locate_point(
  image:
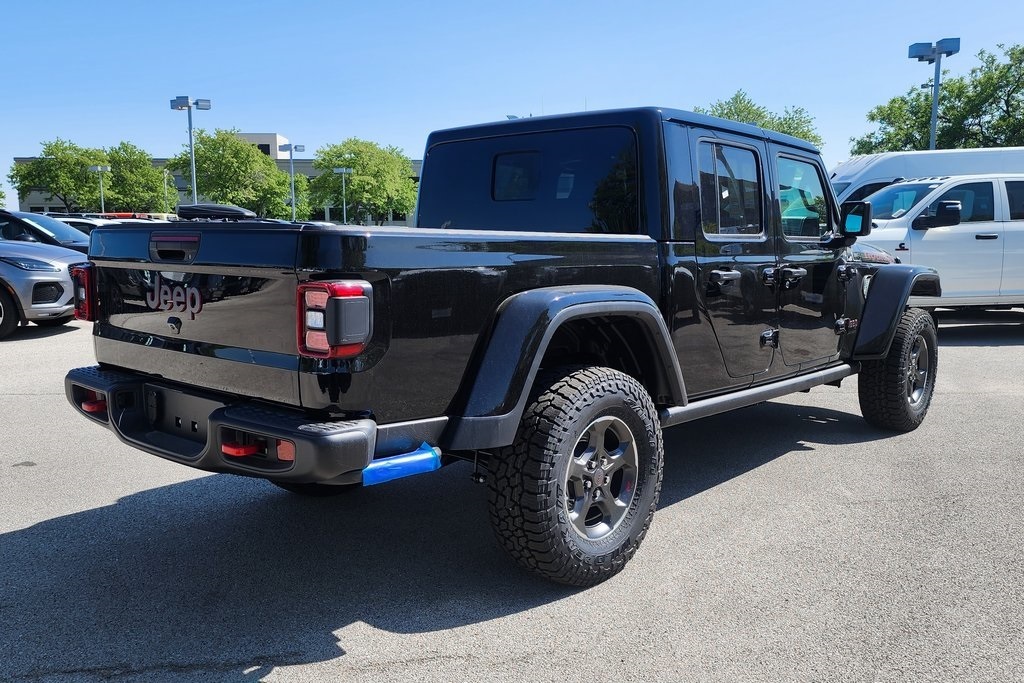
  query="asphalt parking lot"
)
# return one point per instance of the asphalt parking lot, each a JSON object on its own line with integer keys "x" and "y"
{"x": 793, "y": 543}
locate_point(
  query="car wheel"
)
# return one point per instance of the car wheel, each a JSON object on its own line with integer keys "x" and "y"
{"x": 314, "y": 490}
{"x": 8, "y": 314}
{"x": 54, "y": 322}
{"x": 572, "y": 498}
{"x": 895, "y": 392}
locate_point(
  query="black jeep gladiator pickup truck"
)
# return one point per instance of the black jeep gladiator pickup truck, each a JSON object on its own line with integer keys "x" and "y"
{"x": 574, "y": 284}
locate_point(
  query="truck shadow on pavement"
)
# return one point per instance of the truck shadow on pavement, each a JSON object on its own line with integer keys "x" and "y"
{"x": 708, "y": 452}
{"x": 229, "y": 578}
{"x": 36, "y": 332}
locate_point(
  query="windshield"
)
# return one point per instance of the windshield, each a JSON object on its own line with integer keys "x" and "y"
{"x": 62, "y": 232}
{"x": 839, "y": 187}
{"x": 896, "y": 200}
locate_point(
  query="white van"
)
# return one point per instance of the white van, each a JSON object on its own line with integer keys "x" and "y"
{"x": 969, "y": 228}
{"x": 861, "y": 175}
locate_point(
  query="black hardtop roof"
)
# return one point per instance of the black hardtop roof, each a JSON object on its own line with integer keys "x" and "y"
{"x": 635, "y": 116}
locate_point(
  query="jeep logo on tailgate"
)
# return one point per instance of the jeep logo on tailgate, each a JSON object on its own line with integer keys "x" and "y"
{"x": 163, "y": 297}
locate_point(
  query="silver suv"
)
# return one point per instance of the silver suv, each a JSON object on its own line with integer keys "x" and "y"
{"x": 35, "y": 284}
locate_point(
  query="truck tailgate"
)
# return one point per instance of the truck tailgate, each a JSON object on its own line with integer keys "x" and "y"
{"x": 170, "y": 307}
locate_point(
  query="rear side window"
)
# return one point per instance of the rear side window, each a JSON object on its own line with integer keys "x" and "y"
{"x": 730, "y": 190}
{"x": 1015, "y": 193}
{"x": 580, "y": 181}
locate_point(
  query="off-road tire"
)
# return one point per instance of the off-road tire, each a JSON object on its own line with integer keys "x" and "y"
{"x": 533, "y": 481}
{"x": 8, "y": 314}
{"x": 895, "y": 392}
{"x": 314, "y": 490}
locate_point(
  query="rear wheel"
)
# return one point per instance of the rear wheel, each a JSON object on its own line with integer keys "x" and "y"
{"x": 8, "y": 314}
{"x": 895, "y": 392}
{"x": 572, "y": 499}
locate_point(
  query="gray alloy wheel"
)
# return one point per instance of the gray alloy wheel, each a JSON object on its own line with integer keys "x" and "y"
{"x": 917, "y": 371}
{"x": 600, "y": 481}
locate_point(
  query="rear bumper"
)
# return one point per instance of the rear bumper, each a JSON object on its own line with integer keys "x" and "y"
{"x": 200, "y": 429}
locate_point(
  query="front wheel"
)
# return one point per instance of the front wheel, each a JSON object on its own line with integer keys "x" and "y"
{"x": 895, "y": 392}
{"x": 573, "y": 497}
{"x": 8, "y": 314}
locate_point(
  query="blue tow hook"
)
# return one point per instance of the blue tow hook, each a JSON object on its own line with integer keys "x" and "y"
{"x": 424, "y": 459}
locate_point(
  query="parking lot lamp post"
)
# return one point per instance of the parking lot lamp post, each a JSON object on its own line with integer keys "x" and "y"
{"x": 291, "y": 149}
{"x": 926, "y": 52}
{"x": 100, "y": 170}
{"x": 184, "y": 102}
{"x": 344, "y": 203}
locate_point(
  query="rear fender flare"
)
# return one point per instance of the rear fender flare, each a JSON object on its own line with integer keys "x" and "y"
{"x": 498, "y": 383}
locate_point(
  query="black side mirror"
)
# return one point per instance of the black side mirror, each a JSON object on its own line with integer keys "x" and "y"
{"x": 855, "y": 219}
{"x": 946, "y": 213}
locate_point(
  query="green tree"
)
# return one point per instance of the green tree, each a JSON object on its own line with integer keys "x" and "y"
{"x": 134, "y": 184}
{"x": 985, "y": 108}
{"x": 231, "y": 170}
{"x": 62, "y": 171}
{"x": 380, "y": 183}
{"x": 793, "y": 121}
{"x": 3, "y": 198}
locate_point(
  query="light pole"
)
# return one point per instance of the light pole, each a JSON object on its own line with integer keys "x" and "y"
{"x": 165, "y": 191}
{"x": 101, "y": 170}
{"x": 291, "y": 149}
{"x": 185, "y": 102}
{"x": 344, "y": 204}
{"x": 926, "y": 52}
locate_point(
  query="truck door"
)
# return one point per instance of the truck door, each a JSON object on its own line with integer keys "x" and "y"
{"x": 968, "y": 256}
{"x": 805, "y": 279}
{"x": 735, "y": 247}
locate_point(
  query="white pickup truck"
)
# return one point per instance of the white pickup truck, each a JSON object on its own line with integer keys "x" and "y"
{"x": 970, "y": 228}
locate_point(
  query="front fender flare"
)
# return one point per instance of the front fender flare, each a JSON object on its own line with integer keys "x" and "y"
{"x": 891, "y": 287}
{"x": 510, "y": 356}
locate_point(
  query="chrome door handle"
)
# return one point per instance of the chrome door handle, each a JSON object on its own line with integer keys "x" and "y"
{"x": 719, "y": 277}
{"x": 792, "y": 273}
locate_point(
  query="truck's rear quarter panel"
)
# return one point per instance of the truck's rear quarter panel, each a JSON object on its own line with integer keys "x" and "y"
{"x": 435, "y": 293}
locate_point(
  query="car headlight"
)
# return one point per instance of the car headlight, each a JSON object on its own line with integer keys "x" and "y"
{"x": 865, "y": 284}
{"x": 30, "y": 264}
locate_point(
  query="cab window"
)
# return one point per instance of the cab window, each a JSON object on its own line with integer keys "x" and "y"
{"x": 802, "y": 202}
{"x": 1015, "y": 193}
{"x": 976, "y": 202}
{"x": 730, "y": 190}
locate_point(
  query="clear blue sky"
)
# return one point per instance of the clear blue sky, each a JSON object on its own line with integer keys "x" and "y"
{"x": 318, "y": 72}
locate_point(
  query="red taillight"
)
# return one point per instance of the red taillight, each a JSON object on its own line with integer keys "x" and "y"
{"x": 82, "y": 277}
{"x": 334, "y": 318}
